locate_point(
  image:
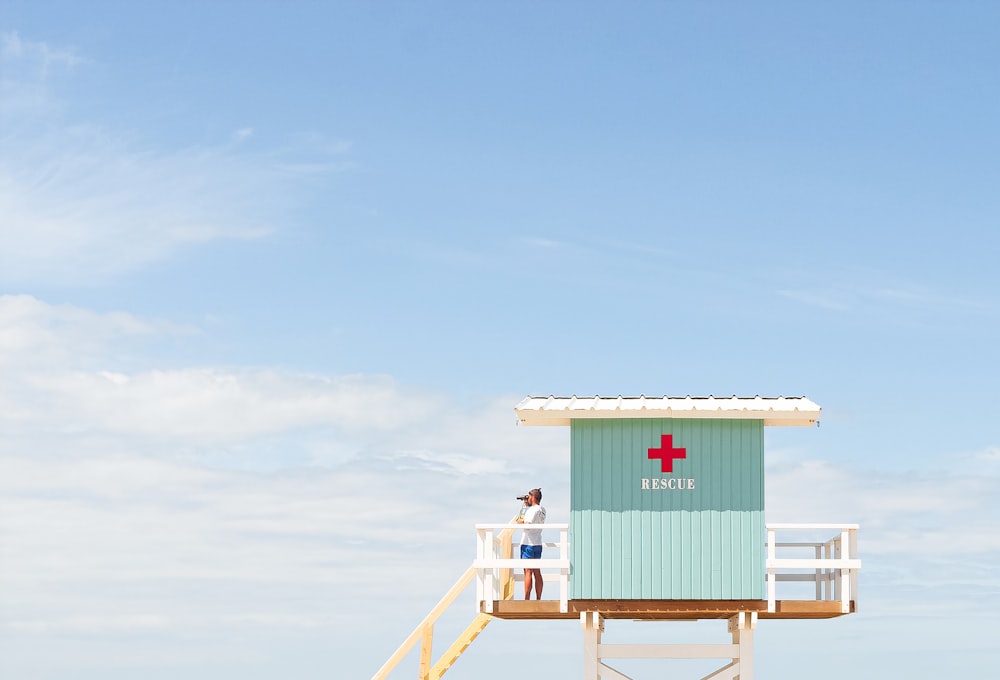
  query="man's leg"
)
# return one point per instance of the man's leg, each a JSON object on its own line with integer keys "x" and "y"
{"x": 527, "y": 583}
{"x": 538, "y": 583}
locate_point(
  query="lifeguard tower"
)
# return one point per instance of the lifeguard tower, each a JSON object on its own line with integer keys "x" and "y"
{"x": 666, "y": 523}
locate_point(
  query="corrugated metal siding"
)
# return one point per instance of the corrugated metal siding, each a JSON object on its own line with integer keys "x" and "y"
{"x": 701, "y": 543}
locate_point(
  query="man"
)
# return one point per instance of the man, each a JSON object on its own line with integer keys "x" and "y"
{"x": 531, "y": 541}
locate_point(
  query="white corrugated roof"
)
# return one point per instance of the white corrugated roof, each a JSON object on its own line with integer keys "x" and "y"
{"x": 772, "y": 410}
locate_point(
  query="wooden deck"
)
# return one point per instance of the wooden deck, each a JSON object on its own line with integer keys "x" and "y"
{"x": 666, "y": 610}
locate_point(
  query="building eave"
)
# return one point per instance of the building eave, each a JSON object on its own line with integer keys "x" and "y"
{"x": 774, "y": 411}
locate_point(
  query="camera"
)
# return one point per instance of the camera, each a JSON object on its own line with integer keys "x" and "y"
{"x": 523, "y": 498}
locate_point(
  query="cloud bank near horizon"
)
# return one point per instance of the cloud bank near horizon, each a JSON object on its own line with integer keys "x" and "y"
{"x": 116, "y": 482}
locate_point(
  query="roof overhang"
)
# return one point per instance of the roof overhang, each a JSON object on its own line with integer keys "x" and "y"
{"x": 782, "y": 411}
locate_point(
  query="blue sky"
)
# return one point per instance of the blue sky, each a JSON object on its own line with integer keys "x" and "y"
{"x": 272, "y": 278}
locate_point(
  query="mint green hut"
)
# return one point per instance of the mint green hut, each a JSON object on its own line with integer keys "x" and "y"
{"x": 666, "y": 524}
{"x": 667, "y": 493}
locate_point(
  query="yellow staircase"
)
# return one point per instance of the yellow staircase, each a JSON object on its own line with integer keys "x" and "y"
{"x": 424, "y": 632}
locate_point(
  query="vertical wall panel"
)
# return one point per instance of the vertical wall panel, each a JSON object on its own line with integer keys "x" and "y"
{"x": 630, "y": 542}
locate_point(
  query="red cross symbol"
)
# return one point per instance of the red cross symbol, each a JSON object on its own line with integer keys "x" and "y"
{"x": 667, "y": 453}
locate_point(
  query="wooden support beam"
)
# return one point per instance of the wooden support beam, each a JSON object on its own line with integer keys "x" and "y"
{"x": 506, "y": 575}
{"x": 609, "y": 673}
{"x": 418, "y": 632}
{"x": 654, "y": 651}
{"x": 460, "y": 644}
{"x": 730, "y": 671}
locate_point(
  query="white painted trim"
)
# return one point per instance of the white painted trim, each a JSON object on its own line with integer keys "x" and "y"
{"x": 517, "y": 563}
{"x": 787, "y": 411}
{"x": 813, "y": 525}
{"x": 653, "y": 651}
{"x": 785, "y": 563}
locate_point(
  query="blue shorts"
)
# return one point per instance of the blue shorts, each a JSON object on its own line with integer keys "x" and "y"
{"x": 531, "y": 552}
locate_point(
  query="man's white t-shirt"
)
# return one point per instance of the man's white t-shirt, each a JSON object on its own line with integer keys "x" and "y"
{"x": 533, "y": 515}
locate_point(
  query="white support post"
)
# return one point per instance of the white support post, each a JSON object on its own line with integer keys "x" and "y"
{"x": 593, "y": 625}
{"x": 741, "y": 627}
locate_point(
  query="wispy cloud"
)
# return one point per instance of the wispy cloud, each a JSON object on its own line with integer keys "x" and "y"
{"x": 82, "y": 202}
{"x": 824, "y": 300}
{"x": 860, "y": 298}
{"x": 635, "y": 248}
{"x": 541, "y": 242}
{"x": 243, "y": 134}
{"x": 34, "y": 56}
{"x": 922, "y": 297}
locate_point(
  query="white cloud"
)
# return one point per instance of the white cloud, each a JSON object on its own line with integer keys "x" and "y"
{"x": 992, "y": 453}
{"x": 207, "y": 403}
{"x": 37, "y": 335}
{"x": 124, "y": 511}
{"x": 916, "y": 516}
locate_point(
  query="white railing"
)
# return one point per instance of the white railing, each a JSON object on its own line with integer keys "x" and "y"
{"x": 496, "y": 573}
{"x": 832, "y": 566}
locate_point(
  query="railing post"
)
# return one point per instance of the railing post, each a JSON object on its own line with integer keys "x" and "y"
{"x": 490, "y": 573}
{"x": 564, "y": 573}
{"x": 484, "y": 575}
{"x": 771, "y": 576}
{"x": 828, "y": 573}
{"x": 479, "y": 578}
{"x": 845, "y": 574}
{"x": 853, "y": 554}
{"x": 818, "y": 553}
{"x": 838, "y": 581}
